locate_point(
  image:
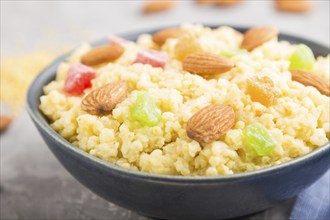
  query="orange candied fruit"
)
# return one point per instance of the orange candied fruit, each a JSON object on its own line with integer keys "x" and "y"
{"x": 186, "y": 45}
{"x": 261, "y": 89}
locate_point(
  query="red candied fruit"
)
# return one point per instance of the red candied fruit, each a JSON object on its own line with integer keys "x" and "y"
{"x": 78, "y": 79}
{"x": 152, "y": 57}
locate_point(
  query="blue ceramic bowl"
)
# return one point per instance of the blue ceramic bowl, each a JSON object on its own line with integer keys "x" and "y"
{"x": 178, "y": 197}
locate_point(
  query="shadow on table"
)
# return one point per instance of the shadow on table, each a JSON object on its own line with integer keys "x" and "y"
{"x": 279, "y": 212}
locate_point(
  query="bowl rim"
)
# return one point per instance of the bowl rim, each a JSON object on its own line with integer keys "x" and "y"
{"x": 49, "y": 73}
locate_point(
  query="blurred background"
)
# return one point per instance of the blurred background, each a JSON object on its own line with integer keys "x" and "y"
{"x": 33, "y": 184}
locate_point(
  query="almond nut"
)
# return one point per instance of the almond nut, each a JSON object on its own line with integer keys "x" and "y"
{"x": 210, "y": 123}
{"x": 294, "y": 5}
{"x": 309, "y": 79}
{"x": 206, "y": 64}
{"x": 206, "y": 2}
{"x": 4, "y": 122}
{"x": 102, "y": 100}
{"x": 160, "y": 37}
{"x": 227, "y": 2}
{"x": 152, "y": 6}
{"x": 255, "y": 37}
{"x": 102, "y": 54}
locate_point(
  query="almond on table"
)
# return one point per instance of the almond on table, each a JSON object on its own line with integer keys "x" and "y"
{"x": 255, "y": 37}
{"x": 161, "y": 36}
{"x": 102, "y": 54}
{"x": 4, "y": 122}
{"x": 227, "y": 2}
{"x": 219, "y": 2}
{"x": 210, "y": 123}
{"x": 153, "y": 6}
{"x": 102, "y": 100}
{"x": 205, "y": 2}
{"x": 206, "y": 64}
{"x": 297, "y": 6}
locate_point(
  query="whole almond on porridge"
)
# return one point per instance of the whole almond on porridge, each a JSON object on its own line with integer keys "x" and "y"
{"x": 102, "y": 100}
{"x": 309, "y": 79}
{"x": 294, "y": 5}
{"x": 102, "y": 54}
{"x": 255, "y": 37}
{"x": 152, "y": 6}
{"x": 160, "y": 37}
{"x": 210, "y": 123}
{"x": 206, "y": 64}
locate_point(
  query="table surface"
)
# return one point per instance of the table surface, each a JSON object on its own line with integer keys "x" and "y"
{"x": 33, "y": 184}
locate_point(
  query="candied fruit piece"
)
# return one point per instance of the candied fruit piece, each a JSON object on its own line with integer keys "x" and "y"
{"x": 186, "y": 45}
{"x": 78, "y": 79}
{"x": 302, "y": 58}
{"x": 257, "y": 137}
{"x": 232, "y": 53}
{"x": 152, "y": 57}
{"x": 145, "y": 111}
{"x": 261, "y": 89}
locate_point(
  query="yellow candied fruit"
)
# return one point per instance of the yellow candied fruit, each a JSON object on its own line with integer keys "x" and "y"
{"x": 186, "y": 45}
{"x": 261, "y": 89}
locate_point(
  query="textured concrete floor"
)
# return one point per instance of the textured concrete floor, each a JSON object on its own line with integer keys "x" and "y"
{"x": 33, "y": 183}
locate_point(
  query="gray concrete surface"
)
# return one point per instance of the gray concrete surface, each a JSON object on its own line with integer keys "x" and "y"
{"x": 33, "y": 185}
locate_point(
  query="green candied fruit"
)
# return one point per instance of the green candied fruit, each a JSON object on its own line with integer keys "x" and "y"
{"x": 232, "y": 53}
{"x": 257, "y": 137}
{"x": 302, "y": 58}
{"x": 145, "y": 111}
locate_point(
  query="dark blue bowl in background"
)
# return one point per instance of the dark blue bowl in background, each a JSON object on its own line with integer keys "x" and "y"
{"x": 178, "y": 197}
